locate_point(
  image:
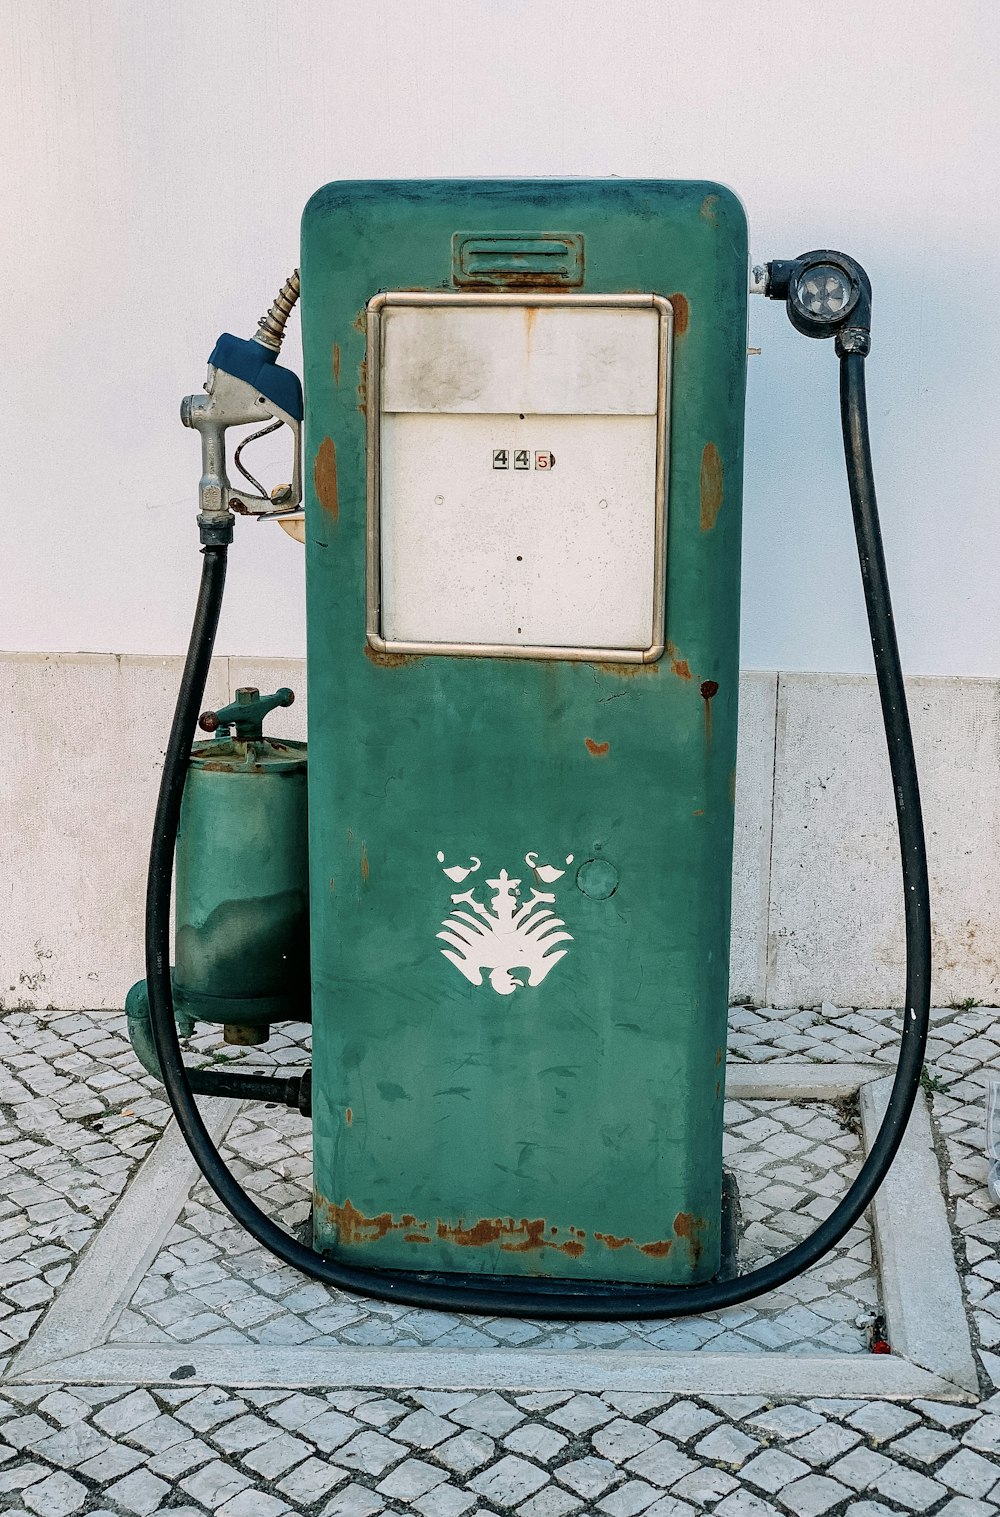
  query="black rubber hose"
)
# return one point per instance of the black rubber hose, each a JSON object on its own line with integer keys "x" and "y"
{"x": 555, "y": 1299}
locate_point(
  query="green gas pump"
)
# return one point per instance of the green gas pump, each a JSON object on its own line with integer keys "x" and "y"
{"x": 523, "y": 432}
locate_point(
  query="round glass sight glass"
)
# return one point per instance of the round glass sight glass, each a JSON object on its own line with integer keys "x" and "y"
{"x": 824, "y": 292}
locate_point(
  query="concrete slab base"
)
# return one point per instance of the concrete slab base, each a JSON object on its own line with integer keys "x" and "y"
{"x": 932, "y": 1354}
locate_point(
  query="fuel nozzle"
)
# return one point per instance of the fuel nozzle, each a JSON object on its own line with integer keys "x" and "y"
{"x": 244, "y": 718}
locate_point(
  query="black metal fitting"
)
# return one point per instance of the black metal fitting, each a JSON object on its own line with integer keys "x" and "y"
{"x": 826, "y": 294}
{"x": 214, "y": 530}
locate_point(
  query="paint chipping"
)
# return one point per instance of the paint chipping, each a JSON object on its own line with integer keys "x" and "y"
{"x": 597, "y": 749}
{"x": 610, "y": 1241}
{"x": 365, "y": 866}
{"x": 528, "y": 1235}
{"x": 325, "y": 478}
{"x": 709, "y": 689}
{"x": 678, "y": 665}
{"x": 348, "y": 1116}
{"x": 711, "y": 486}
{"x": 690, "y": 1228}
{"x": 707, "y": 211}
{"x": 628, "y": 671}
{"x": 682, "y": 313}
{"x": 336, "y": 363}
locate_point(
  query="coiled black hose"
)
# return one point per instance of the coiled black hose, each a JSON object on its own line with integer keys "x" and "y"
{"x": 553, "y": 1298}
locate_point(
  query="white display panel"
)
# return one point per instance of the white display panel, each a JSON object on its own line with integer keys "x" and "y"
{"x": 516, "y": 460}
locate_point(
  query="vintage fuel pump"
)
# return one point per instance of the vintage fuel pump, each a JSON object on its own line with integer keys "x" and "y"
{"x": 523, "y": 434}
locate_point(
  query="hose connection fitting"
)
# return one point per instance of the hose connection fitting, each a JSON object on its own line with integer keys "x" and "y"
{"x": 271, "y": 328}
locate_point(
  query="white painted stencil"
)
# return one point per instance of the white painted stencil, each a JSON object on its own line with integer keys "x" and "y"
{"x": 508, "y": 933}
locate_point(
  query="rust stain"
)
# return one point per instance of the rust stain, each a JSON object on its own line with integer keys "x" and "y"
{"x": 597, "y": 749}
{"x": 628, "y": 671}
{"x": 682, "y": 313}
{"x": 610, "y": 1241}
{"x": 363, "y": 387}
{"x": 360, "y": 322}
{"x": 718, "y": 1057}
{"x": 707, "y": 210}
{"x": 709, "y": 689}
{"x": 511, "y": 1236}
{"x": 718, "y": 1089}
{"x": 336, "y": 363}
{"x": 325, "y": 477}
{"x": 689, "y": 1227}
{"x": 698, "y": 813}
{"x": 389, "y": 660}
{"x": 678, "y": 665}
{"x": 365, "y": 866}
{"x": 711, "y": 486}
{"x": 530, "y": 317}
{"x": 349, "y": 1116}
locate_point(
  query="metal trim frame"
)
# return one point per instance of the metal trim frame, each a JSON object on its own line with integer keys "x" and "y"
{"x": 376, "y": 641}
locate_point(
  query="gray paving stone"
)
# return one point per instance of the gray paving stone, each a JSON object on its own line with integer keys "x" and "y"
{"x": 412, "y": 1478}
{"x": 124, "y": 1416}
{"x": 772, "y": 1470}
{"x": 353, "y": 1501}
{"x": 56, "y": 1496}
{"x": 909, "y": 1489}
{"x": 664, "y": 1464}
{"x": 311, "y": 1481}
{"x": 446, "y": 1501}
{"x": 813, "y": 1495}
{"x": 276, "y": 1456}
{"x": 370, "y": 1452}
{"x": 139, "y": 1492}
{"x": 622, "y": 1439}
{"x": 727, "y": 1445}
{"x": 550, "y": 1502}
{"x": 509, "y": 1481}
{"x": 330, "y": 1430}
{"x": 490, "y": 1414}
{"x": 882, "y": 1421}
{"x": 629, "y": 1499}
{"x": 538, "y": 1442}
{"x": 969, "y": 1474}
{"x": 214, "y": 1483}
{"x": 683, "y": 1420}
{"x": 705, "y": 1485}
{"x": 745, "y": 1504}
{"x": 252, "y": 1504}
{"x": 588, "y": 1477}
{"x": 423, "y": 1429}
{"x": 581, "y": 1414}
{"x": 466, "y": 1452}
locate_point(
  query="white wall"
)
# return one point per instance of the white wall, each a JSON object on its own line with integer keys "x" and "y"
{"x": 156, "y": 159}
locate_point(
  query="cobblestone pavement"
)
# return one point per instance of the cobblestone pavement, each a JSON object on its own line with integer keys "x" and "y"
{"x": 212, "y": 1284}
{"x": 78, "y": 1117}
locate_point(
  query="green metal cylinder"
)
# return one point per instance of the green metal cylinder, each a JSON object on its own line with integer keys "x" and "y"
{"x": 242, "y": 895}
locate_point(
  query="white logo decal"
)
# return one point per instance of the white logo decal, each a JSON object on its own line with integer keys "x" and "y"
{"x": 508, "y": 934}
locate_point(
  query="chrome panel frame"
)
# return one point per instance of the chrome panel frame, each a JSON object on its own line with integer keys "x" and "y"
{"x": 375, "y": 307}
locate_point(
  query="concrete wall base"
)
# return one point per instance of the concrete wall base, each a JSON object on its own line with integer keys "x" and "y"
{"x": 817, "y": 904}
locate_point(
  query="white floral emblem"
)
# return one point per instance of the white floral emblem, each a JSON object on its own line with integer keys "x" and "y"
{"x": 509, "y": 934}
